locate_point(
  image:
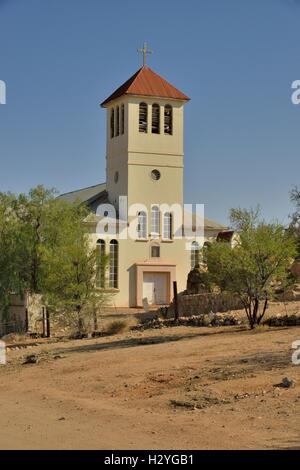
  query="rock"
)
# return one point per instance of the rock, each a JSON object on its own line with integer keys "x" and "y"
{"x": 286, "y": 383}
{"x": 31, "y": 359}
{"x": 295, "y": 269}
{"x": 196, "y": 280}
{"x": 283, "y": 320}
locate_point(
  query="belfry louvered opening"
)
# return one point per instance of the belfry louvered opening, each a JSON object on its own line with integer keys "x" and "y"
{"x": 112, "y": 123}
{"x": 118, "y": 121}
{"x": 155, "y": 119}
{"x": 122, "y": 119}
{"x": 168, "y": 119}
{"x": 143, "y": 118}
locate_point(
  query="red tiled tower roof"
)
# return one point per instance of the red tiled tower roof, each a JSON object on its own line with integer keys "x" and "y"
{"x": 145, "y": 82}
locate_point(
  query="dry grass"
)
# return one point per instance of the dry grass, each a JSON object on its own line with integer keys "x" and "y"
{"x": 119, "y": 326}
{"x": 14, "y": 338}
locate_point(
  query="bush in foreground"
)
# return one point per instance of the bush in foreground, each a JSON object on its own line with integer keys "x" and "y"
{"x": 117, "y": 326}
{"x": 257, "y": 263}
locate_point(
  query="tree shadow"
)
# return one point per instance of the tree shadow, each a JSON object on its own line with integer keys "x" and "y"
{"x": 140, "y": 316}
{"x": 148, "y": 341}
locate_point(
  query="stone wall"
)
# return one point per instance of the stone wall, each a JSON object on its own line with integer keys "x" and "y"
{"x": 35, "y": 314}
{"x": 197, "y": 304}
{"x": 15, "y": 320}
{"x": 295, "y": 269}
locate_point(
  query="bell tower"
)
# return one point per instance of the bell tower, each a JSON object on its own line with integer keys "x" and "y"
{"x": 144, "y": 156}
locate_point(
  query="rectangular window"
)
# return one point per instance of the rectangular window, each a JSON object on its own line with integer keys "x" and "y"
{"x": 155, "y": 251}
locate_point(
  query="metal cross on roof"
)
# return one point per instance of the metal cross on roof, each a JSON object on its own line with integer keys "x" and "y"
{"x": 145, "y": 51}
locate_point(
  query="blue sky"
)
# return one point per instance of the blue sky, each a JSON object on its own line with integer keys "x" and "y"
{"x": 236, "y": 59}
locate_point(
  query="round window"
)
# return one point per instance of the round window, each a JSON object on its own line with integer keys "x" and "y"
{"x": 155, "y": 175}
{"x": 116, "y": 178}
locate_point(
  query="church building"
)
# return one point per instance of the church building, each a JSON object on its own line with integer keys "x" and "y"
{"x": 144, "y": 166}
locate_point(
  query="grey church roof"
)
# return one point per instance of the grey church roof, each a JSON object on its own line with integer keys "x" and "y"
{"x": 212, "y": 225}
{"x": 94, "y": 195}
{"x": 86, "y": 195}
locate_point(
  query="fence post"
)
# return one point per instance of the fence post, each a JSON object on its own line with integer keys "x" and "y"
{"x": 2, "y": 353}
{"x": 26, "y": 321}
{"x": 176, "y": 312}
{"x": 48, "y": 323}
{"x": 43, "y": 322}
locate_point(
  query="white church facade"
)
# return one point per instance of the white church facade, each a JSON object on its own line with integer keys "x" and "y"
{"x": 144, "y": 167}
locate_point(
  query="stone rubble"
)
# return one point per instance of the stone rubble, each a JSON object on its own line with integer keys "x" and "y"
{"x": 286, "y": 383}
{"x": 215, "y": 319}
{"x": 31, "y": 359}
{"x": 282, "y": 320}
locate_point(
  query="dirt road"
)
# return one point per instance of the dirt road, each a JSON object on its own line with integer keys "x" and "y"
{"x": 175, "y": 388}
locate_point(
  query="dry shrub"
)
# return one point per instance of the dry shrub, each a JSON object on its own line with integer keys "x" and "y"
{"x": 14, "y": 338}
{"x": 118, "y": 326}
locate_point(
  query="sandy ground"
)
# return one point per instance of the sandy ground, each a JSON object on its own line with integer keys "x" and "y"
{"x": 175, "y": 388}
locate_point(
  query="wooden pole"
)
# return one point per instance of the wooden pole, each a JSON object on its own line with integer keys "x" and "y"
{"x": 48, "y": 323}
{"x": 43, "y": 322}
{"x": 176, "y": 312}
{"x": 26, "y": 321}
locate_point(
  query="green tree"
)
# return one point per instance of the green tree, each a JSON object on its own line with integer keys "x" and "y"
{"x": 45, "y": 249}
{"x": 254, "y": 266}
{"x": 9, "y": 260}
{"x": 72, "y": 264}
{"x": 34, "y": 212}
{"x": 295, "y": 217}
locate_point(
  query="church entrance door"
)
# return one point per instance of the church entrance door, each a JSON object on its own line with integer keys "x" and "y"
{"x": 155, "y": 288}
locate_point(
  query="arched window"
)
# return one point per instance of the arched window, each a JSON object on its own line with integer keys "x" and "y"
{"x": 143, "y": 118}
{"x": 142, "y": 225}
{"x": 155, "y": 119}
{"x": 195, "y": 254}
{"x": 100, "y": 275}
{"x": 112, "y": 123}
{"x": 118, "y": 121}
{"x": 113, "y": 264}
{"x": 168, "y": 229}
{"x": 155, "y": 222}
{"x": 168, "y": 119}
{"x": 122, "y": 119}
